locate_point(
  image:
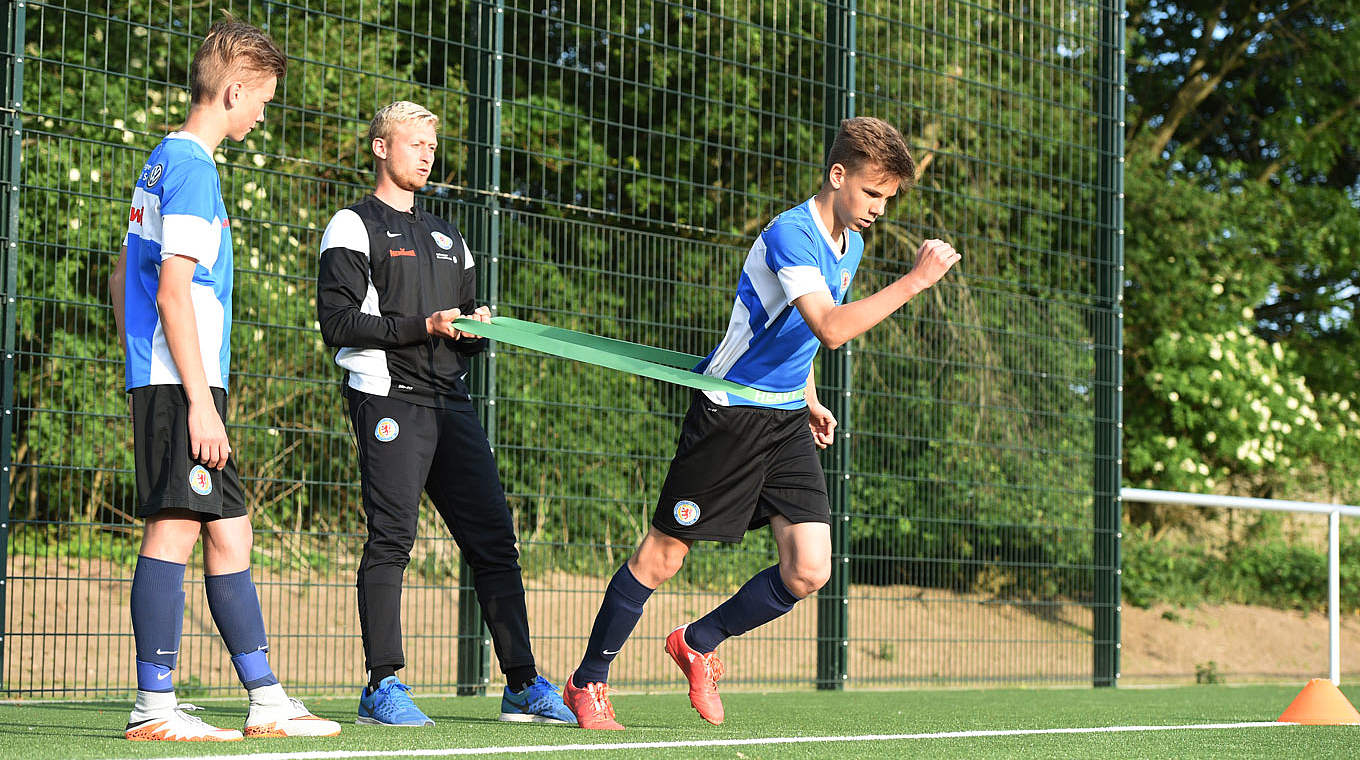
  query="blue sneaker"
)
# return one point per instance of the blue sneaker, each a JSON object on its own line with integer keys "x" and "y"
{"x": 390, "y": 705}
{"x": 538, "y": 703}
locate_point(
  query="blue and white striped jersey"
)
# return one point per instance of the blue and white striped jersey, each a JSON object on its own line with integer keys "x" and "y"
{"x": 768, "y": 346}
{"x": 177, "y": 210}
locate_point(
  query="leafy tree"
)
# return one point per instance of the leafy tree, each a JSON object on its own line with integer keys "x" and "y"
{"x": 1242, "y": 222}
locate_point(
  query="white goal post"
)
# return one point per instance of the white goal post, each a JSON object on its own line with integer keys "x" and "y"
{"x": 1333, "y": 512}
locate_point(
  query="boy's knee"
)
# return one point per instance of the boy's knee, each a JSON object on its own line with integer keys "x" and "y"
{"x": 805, "y": 579}
{"x": 229, "y": 537}
{"x": 654, "y": 564}
{"x": 652, "y": 571}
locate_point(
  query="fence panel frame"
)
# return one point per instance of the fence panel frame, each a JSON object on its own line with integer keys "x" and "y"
{"x": 484, "y": 227}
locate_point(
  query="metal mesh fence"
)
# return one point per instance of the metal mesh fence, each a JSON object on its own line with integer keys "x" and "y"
{"x": 609, "y": 163}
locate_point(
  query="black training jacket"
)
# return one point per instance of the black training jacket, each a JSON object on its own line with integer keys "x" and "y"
{"x": 382, "y": 273}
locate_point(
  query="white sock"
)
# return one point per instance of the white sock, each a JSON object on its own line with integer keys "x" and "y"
{"x": 154, "y": 701}
{"x": 268, "y": 695}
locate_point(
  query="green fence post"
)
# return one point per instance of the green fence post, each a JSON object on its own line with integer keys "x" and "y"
{"x": 1109, "y": 344}
{"x": 833, "y": 601}
{"x": 484, "y": 70}
{"x": 9, "y": 265}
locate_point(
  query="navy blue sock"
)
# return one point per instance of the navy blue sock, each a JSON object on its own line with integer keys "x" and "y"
{"x": 236, "y": 611}
{"x": 157, "y": 604}
{"x": 762, "y": 599}
{"x": 618, "y": 615}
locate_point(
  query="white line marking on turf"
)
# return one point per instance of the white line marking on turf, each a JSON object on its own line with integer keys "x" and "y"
{"x": 465, "y": 751}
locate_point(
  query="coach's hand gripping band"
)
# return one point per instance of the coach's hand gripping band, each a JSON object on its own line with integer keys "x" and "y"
{"x": 634, "y": 358}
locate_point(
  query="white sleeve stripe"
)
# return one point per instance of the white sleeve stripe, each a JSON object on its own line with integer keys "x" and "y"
{"x": 192, "y": 236}
{"x": 144, "y": 219}
{"x": 799, "y": 281}
{"x": 467, "y": 253}
{"x": 346, "y": 230}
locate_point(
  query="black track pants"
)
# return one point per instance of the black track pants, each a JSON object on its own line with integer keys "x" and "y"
{"x": 405, "y": 448}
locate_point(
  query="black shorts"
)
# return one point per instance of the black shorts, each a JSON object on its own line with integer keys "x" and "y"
{"x": 167, "y": 475}
{"x": 737, "y": 466}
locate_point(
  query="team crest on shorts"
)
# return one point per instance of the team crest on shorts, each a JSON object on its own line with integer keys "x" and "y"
{"x": 442, "y": 240}
{"x": 154, "y": 175}
{"x": 200, "y": 481}
{"x": 386, "y": 430}
{"x": 686, "y": 512}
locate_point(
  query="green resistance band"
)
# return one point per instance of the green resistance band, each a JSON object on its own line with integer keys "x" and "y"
{"x": 656, "y": 363}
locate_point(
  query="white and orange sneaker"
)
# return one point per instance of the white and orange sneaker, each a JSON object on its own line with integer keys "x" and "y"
{"x": 702, "y": 671}
{"x": 158, "y": 717}
{"x": 274, "y": 714}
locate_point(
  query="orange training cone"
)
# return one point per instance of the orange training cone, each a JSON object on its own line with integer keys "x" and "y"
{"x": 1320, "y": 704}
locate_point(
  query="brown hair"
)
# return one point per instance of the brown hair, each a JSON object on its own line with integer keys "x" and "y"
{"x": 864, "y": 141}
{"x": 230, "y": 49}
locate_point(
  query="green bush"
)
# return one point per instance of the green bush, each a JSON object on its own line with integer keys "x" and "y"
{"x": 1269, "y": 570}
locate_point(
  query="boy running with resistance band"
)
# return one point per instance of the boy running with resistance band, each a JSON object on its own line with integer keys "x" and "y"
{"x": 741, "y": 464}
{"x": 171, "y": 294}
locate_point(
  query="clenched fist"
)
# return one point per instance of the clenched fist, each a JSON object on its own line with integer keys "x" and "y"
{"x": 933, "y": 260}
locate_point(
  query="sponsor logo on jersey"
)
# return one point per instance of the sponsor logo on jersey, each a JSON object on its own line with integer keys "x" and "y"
{"x": 200, "y": 481}
{"x": 401, "y": 252}
{"x": 442, "y": 240}
{"x": 686, "y": 512}
{"x": 154, "y": 175}
{"x": 443, "y": 257}
{"x": 386, "y": 430}
{"x": 136, "y": 214}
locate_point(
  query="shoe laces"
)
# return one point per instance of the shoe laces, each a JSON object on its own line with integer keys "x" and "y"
{"x": 395, "y": 689}
{"x": 395, "y": 698}
{"x": 713, "y": 669}
{"x": 183, "y": 708}
{"x": 292, "y": 703}
{"x": 599, "y": 696}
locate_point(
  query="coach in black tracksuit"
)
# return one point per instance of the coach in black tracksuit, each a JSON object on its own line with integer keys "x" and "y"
{"x": 392, "y": 278}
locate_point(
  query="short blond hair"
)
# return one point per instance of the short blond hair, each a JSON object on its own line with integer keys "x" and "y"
{"x": 864, "y": 141}
{"x": 387, "y": 118}
{"x": 231, "y": 49}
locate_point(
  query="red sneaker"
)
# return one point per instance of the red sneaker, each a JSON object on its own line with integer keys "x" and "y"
{"x": 590, "y": 705}
{"x": 703, "y": 672}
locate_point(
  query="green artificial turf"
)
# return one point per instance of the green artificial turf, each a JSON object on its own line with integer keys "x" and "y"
{"x": 94, "y": 730}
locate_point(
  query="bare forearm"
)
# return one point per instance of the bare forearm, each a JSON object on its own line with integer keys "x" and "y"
{"x": 810, "y": 392}
{"x": 847, "y": 321}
